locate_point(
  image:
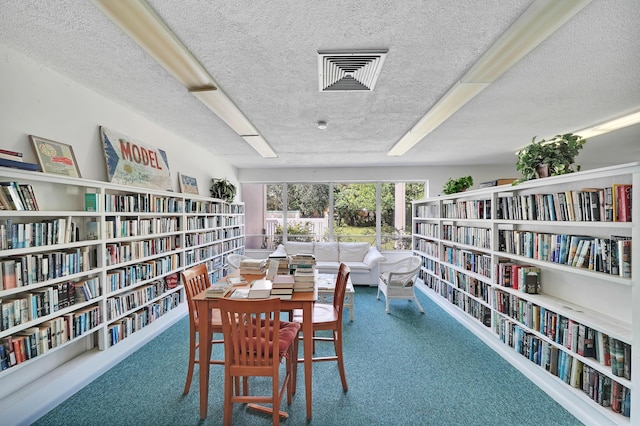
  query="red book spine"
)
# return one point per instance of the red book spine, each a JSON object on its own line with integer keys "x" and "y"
{"x": 624, "y": 203}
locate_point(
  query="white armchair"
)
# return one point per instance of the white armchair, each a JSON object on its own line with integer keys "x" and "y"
{"x": 397, "y": 282}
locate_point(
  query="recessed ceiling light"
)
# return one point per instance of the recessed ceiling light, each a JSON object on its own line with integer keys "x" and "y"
{"x": 322, "y": 125}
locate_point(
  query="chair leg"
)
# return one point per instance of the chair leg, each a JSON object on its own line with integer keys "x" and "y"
{"x": 294, "y": 373}
{"x": 378, "y": 292}
{"x": 228, "y": 404}
{"x": 275, "y": 392}
{"x": 337, "y": 343}
{"x": 192, "y": 358}
{"x": 387, "y": 306}
{"x": 415, "y": 299}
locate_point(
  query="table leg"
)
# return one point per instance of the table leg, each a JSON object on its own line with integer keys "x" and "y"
{"x": 204, "y": 337}
{"x": 307, "y": 331}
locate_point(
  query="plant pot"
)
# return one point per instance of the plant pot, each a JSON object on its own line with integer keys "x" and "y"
{"x": 542, "y": 170}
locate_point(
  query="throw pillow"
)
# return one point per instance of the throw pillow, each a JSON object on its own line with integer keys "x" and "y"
{"x": 326, "y": 252}
{"x": 353, "y": 252}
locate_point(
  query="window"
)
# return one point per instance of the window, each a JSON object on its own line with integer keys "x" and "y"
{"x": 377, "y": 213}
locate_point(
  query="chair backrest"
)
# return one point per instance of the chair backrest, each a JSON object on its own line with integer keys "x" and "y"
{"x": 404, "y": 272}
{"x": 195, "y": 280}
{"x": 251, "y": 329}
{"x": 341, "y": 287}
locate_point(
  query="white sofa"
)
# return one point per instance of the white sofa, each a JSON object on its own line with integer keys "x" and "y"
{"x": 362, "y": 258}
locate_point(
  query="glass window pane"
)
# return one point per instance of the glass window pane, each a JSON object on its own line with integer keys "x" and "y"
{"x": 355, "y": 212}
{"x": 396, "y": 201}
{"x": 307, "y": 210}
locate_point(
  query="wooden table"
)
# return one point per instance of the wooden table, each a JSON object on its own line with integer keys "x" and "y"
{"x": 299, "y": 300}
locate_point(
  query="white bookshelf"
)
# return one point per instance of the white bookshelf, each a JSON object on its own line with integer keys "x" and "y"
{"x": 467, "y": 225}
{"x": 145, "y": 236}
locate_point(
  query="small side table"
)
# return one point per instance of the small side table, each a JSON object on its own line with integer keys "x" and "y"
{"x": 326, "y": 287}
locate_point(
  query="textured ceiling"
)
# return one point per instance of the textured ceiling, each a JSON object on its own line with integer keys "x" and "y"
{"x": 264, "y": 56}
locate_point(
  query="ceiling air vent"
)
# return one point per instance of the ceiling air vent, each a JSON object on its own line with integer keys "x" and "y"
{"x": 344, "y": 71}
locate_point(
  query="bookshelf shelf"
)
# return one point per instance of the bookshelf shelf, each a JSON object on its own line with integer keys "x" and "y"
{"x": 557, "y": 337}
{"x": 136, "y": 291}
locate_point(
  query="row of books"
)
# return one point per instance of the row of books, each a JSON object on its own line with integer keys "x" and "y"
{"x": 124, "y": 252}
{"x": 609, "y": 255}
{"x": 479, "y": 263}
{"x": 41, "y": 233}
{"x": 117, "y": 226}
{"x": 472, "y": 209}
{"x": 132, "y": 274}
{"x": 576, "y": 337}
{"x": 139, "y": 203}
{"x": 473, "y": 286}
{"x": 15, "y": 196}
{"x": 19, "y": 271}
{"x": 35, "y": 341}
{"x": 478, "y": 237}
{"x": 571, "y": 370}
{"x": 525, "y": 278}
{"x": 122, "y": 303}
{"x": 136, "y": 321}
{"x": 40, "y": 302}
{"x": 609, "y": 204}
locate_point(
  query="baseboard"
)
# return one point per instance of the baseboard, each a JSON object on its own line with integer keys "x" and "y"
{"x": 42, "y": 395}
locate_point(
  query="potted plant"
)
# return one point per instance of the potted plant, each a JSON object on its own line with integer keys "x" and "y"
{"x": 552, "y": 157}
{"x": 222, "y": 189}
{"x": 452, "y": 186}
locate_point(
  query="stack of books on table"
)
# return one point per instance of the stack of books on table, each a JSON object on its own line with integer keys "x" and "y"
{"x": 282, "y": 286}
{"x": 283, "y": 264}
{"x": 253, "y": 266}
{"x": 260, "y": 289}
{"x": 219, "y": 289}
{"x": 304, "y": 279}
{"x": 302, "y": 261}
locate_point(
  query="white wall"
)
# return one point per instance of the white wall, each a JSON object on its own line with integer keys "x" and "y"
{"x": 38, "y": 101}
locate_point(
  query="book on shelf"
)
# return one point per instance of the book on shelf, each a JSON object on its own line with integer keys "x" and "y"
{"x": 622, "y": 202}
{"x": 11, "y": 155}
{"x": 620, "y": 255}
{"x": 496, "y": 182}
{"x": 4, "y": 162}
{"x": 92, "y": 202}
{"x": 260, "y": 289}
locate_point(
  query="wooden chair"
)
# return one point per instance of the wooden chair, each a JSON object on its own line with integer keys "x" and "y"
{"x": 398, "y": 281}
{"x": 328, "y": 317}
{"x": 256, "y": 341}
{"x": 195, "y": 280}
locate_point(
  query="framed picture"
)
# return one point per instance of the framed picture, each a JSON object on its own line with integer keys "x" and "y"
{"x": 188, "y": 184}
{"x": 55, "y": 157}
{"x": 130, "y": 162}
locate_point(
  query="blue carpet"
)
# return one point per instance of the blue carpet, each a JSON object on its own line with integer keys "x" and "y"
{"x": 404, "y": 368}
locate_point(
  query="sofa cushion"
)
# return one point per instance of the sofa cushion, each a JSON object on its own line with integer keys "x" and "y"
{"x": 295, "y": 247}
{"x": 326, "y": 252}
{"x": 353, "y": 252}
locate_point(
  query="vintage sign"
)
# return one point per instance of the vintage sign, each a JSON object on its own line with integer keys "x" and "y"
{"x": 132, "y": 163}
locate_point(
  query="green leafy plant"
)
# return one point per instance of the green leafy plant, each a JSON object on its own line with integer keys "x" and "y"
{"x": 457, "y": 185}
{"x": 222, "y": 189}
{"x": 557, "y": 153}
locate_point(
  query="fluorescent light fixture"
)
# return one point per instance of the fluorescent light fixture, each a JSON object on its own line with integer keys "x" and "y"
{"x": 610, "y": 126}
{"x": 452, "y": 101}
{"x": 137, "y": 19}
{"x": 258, "y": 143}
{"x": 536, "y": 24}
{"x": 224, "y": 108}
{"x": 145, "y": 27}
